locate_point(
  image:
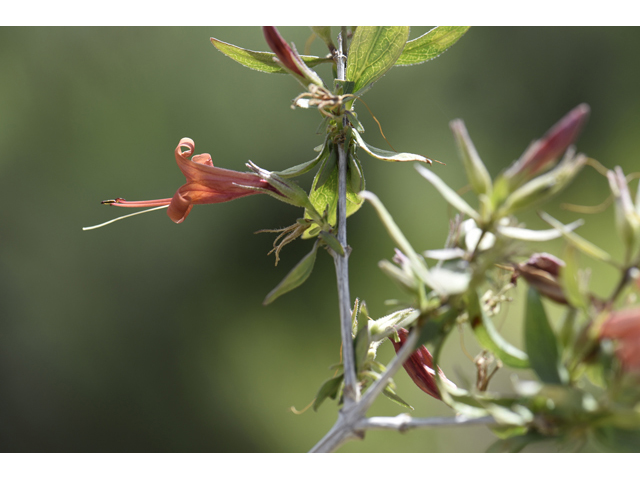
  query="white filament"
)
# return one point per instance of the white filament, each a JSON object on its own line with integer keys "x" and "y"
{"x": 125, "y": 216}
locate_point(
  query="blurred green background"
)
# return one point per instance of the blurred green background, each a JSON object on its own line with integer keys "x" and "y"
{"x": 151, "y": 336}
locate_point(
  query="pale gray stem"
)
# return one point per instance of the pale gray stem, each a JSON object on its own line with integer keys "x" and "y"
{"x": 404, "y": 422}
{"x": 349, "y": 424}
{"x": 351, "y": 392}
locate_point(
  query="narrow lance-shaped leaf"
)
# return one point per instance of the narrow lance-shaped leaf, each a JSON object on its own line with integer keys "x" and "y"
{"x": 417, "y": 263}
{"x": 260, "y": 61}
{"x": 577, "y": 241}
{"x": 296, "y": 170}
{"x": 386, "y": 155}
{"x": 569, "y": 279}
{"x": 428, "y": 46}
{"x": 519, "y": 233}
{"x": 295, "y": 277}
{"x": 329, "y": 389}
{"x": 489, "y": 338}
{"x": 373, "y": 51}
{"x": 448, "y": 193}
{"x": 393, "y": 396}
{"x": 361, "y": 347}
{"x": 541, "y": 342}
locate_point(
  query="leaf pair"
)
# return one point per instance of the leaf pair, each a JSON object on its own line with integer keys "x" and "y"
{"x": 373, "y": 51}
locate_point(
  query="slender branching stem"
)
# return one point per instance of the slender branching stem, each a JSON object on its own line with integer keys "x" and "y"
{"x": 351, "y": 391}
{"x": 352, "y": 422}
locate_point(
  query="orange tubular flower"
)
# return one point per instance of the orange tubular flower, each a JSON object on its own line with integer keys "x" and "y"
{"x": 624, "y": 327}
{"x": 205, "y": 184}
{"x": 419, "y": 366}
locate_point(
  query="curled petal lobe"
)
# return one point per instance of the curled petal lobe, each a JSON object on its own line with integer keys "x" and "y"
{"x": 179, "y": 207}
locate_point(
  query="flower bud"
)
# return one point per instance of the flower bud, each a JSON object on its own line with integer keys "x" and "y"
{"x": 541, "y": 272}
{"x": 543, "y": 153}
{"x": 289, "y": 58}
{"x": 419, "y": 366}
{"x": 477, "y": 173}
{"x": 545, "y": 186}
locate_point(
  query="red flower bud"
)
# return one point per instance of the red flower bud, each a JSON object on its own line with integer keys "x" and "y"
{"x": 419, "y": 366}
{"x": 281, "y": 48}
{"x": 541, "y": 272}
{"x": 543, "y": 153}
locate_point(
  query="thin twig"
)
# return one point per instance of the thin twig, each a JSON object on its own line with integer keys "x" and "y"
{"x": 404, "y": 422}
{"x": 351, "y": 392}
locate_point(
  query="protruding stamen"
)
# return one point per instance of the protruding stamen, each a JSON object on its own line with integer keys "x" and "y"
{"x": 125, "y": 216}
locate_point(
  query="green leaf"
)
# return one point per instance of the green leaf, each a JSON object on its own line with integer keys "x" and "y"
{"x": 328, "y": 389}
{"x": 569, "y": 279}
{"x": 393, "y": 396}
{"x": 295, "y": 277}
{"x": 527, "y": 235}
{"x": 324, "y": 195}
{"x": 324, "y": 34}
{"x": 418, "y": 264}
{"x": 448, "y": 193}
{"x": 353, "y": 119}
{"x": 261, "y": 61}
{"x": 373, "y": 51}
{"x": 618, "y": 439}
{"x": 489, "y": 338}
{"x": 515, "y": 444}
{"x": 386, "y": 155}
{"x": 430, "y": 45}
{"x": 343, "y": 87}
{"x": 577, "y": 241}
{"x": 434, "y": 330}
{"x": 331, "y": 241}
{"x": 296, "y": 170}
{"x": 507, "y": 431}
{"x": 361, "y": 347}
{"x": 541, "y": 342}
{"x": 356, "y": 175}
